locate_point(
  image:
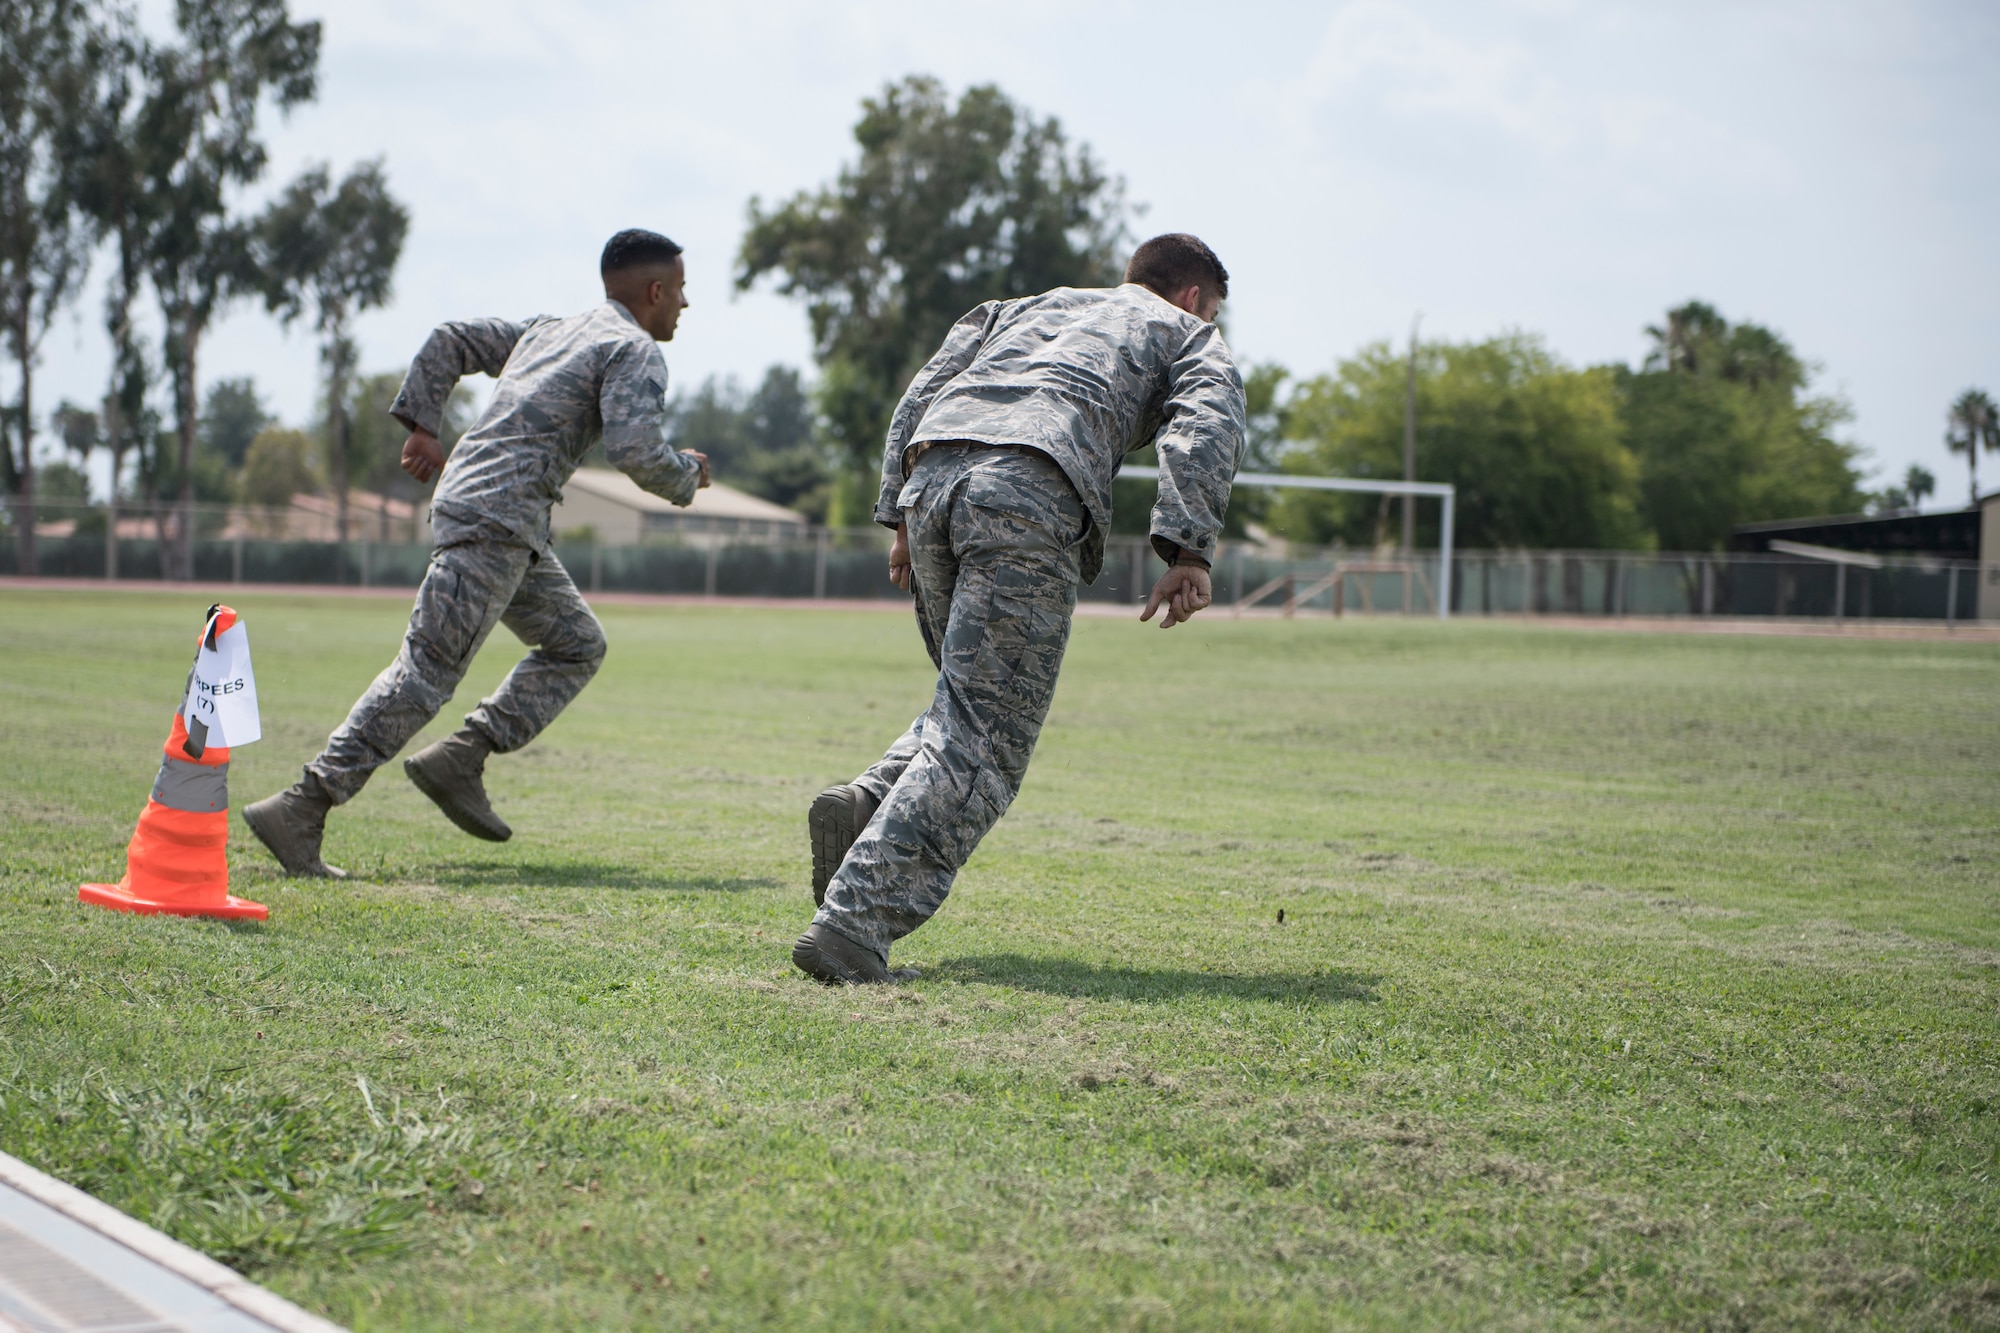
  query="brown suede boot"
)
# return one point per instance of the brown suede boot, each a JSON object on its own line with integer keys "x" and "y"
{"x": 291, "y": 824}
{"x": 452, "y": 773}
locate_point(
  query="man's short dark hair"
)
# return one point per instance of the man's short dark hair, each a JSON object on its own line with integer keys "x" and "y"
{"x": 636, "y": 247}
{"x": 1175, "y": 262}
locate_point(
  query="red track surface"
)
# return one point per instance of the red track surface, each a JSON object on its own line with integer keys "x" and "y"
{"x": 1920, "y": 630}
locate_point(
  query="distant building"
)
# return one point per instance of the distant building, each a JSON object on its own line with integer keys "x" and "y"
{"x": 1952, "y": 535}
{"x": 308, "y": 518}
{"x": 1989, "y": 557}
{"x": 1968, "y": 535}
{"x": 608, "y": 505}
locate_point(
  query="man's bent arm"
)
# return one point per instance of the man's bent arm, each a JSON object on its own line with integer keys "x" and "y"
{"x": 633, "y": 402}
{"x": 453, "y": 351}
{"x": 1200, "y": 447}
{"x": 960, "y": 346}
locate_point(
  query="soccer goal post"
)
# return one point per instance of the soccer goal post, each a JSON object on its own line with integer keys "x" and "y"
{"x": 1441, "y": 491}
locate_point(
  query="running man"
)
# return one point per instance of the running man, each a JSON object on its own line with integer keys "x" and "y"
{"x": 563, "y": 384}
{"x": 997, "y": 479}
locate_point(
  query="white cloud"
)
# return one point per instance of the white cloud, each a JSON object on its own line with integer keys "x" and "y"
{"x": 1389, "y": 55}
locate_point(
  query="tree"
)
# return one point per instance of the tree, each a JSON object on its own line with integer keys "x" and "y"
{"x": 77, "y": 428}
{"x": 231, "y": 416}
{"x": 336, "y": 251}
{"x": 947, "y": 206}
{"x": 1908, "y": 496}
{"x": 198, "y": 140}
{"x": 1265, "y": 409}
{"x": 375, "y": 439}
{"x": 1919, "y": 485}
{"x": 1687, "y": 340}
{"x": 277, "y": 466}
{"x": 1725, "y": 432}
{"x": 1533, "y": 445}
{"x": 710, "y": 419}
{"x": 108, "y": 148}
{"x": 1972, "y": 424}
{"x": 787, "y": 464}
{"x": 763, "y": 442}
{"x": 44, "y": 243}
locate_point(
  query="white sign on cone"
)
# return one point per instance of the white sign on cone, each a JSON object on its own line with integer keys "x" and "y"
{"x": 222, "y": 692}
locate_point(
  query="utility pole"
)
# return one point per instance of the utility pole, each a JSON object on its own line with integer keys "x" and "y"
{"x": 1410, "y": 442}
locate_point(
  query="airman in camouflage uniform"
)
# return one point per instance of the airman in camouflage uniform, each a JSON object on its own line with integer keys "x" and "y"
{"x": 563, "y": 385}
{"x": 997, "y": 476}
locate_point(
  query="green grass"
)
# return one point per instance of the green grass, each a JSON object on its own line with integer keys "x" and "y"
{"x": 1623, "y": 980}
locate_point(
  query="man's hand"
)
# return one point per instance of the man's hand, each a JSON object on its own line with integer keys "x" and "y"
{"x": 899, "y": 558}
{"x": 423, "y": 456}
{"x": 1183, "y": 590}
{"x": 701, "y": 458}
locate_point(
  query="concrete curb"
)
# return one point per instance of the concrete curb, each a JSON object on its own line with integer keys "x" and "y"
{"x": 225, "y": 1284}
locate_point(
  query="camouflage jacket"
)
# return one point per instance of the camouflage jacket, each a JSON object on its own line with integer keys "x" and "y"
{"x": 564, "y": 383}
{"x": 1087, "y": 376}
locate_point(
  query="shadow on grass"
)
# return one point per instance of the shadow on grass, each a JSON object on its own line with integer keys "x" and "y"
{"x": 586, "y": 875}
{"x": 1063, "y": 976}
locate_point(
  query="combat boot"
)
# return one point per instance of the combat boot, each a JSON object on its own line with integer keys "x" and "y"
{"x": 452, "y": 773}
{"x": 291, "y": 824}
{"x": 835, "y": 820}
{"x": 824, "y": 954}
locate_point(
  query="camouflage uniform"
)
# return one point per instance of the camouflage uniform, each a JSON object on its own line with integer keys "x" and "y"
{"x": 563, "y": 384}
{"x": 1000, "y": 459}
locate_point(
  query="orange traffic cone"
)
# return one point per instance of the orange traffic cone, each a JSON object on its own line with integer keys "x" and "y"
{"x": 177, "y": 861}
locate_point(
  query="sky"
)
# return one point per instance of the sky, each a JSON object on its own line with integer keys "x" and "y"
{"x": 1570, "y": 169}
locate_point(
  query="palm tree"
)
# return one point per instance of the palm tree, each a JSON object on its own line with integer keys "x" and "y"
{"x": 1973, "y": 424}
{"x": 1683, "y": 342}
{"x": 1919, "y": 485}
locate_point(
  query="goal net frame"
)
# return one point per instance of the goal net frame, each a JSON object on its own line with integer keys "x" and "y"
{"x": 1436, "y": 490}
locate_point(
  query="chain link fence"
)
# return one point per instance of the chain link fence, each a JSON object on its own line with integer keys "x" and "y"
{"x": 232, "y": 546}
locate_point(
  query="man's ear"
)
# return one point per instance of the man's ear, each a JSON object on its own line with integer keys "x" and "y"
{"x": 656, "y": 292}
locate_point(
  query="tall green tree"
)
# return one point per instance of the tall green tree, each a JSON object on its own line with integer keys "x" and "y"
{"x": 1532, "y": 444}
{"x": 1908, "y": 495}
{"x": 1972, "y": 424}
{"x": 44, "y": 241}
{"x": 1919, "y": 485}
{"x": 948, "y": 205}
{"x": 198, "y": 143}
{"x": 1265, "y": 409}
{"x": 108, "y": 147}
{"x": 764, "y": 441}
{"x": 1726, "y": 431}
{"x": 375, "y": 439}
{"x": 276, "y": 466}
{"x": 231, "y": 415}
{"x": 78, "y": 429}
{"x": 333, "y": 250}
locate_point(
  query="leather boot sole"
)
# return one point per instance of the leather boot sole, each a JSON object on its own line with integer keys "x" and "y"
{"x": 295, "y": 852}
{"x": 449, "y": 798}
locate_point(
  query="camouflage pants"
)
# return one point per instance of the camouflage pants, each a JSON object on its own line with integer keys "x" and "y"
{"x": 471, "y": 586}
{"x": 994, "y": 535}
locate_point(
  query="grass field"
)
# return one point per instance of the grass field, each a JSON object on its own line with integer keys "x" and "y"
{"x": 1622, "y": 980}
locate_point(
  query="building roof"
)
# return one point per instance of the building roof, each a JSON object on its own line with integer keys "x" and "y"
{"x": 1953, "y": 533}
{"x": 713, "y": 501}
